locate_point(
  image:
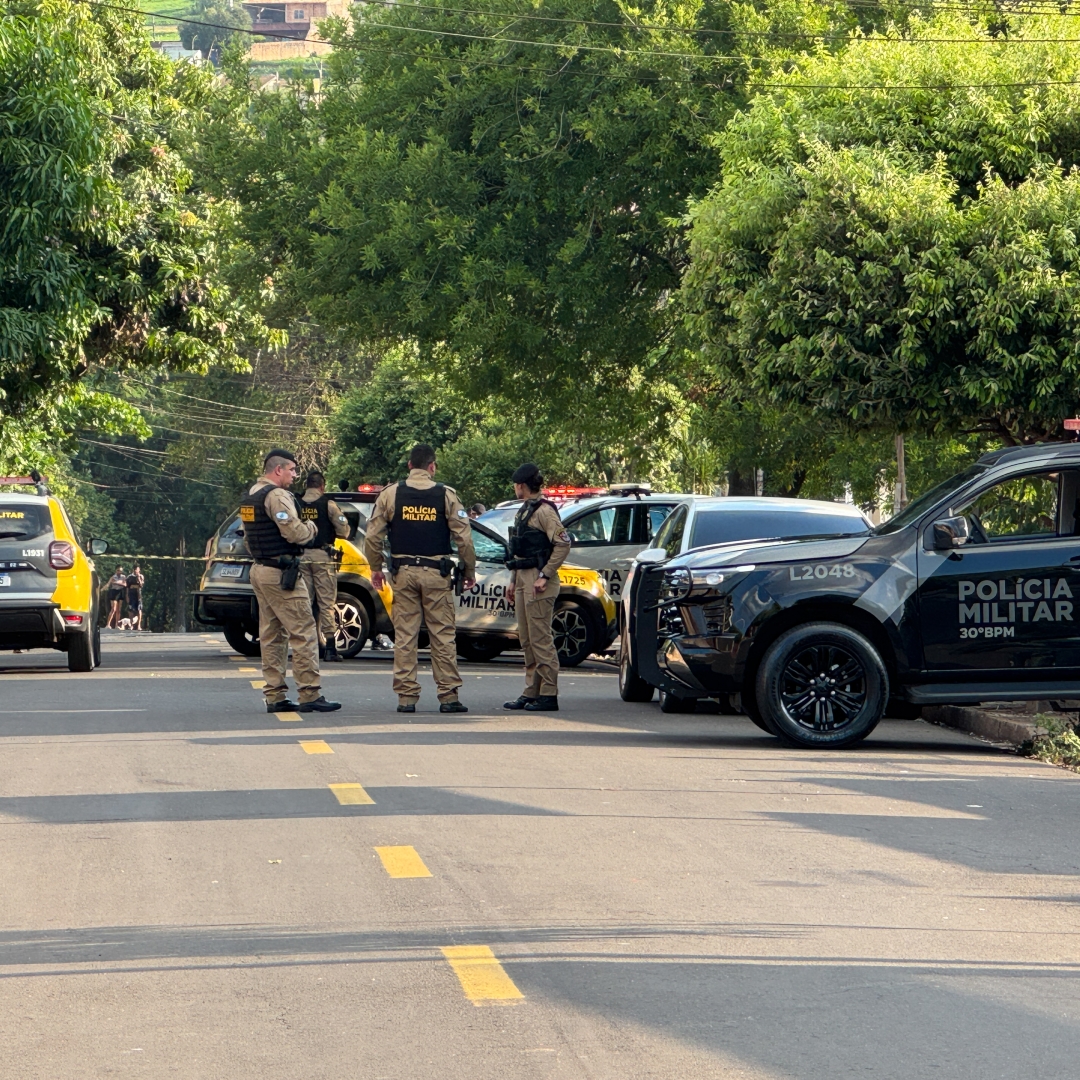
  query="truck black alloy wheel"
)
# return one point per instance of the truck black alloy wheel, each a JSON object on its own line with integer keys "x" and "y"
{"x": 822, "y": 684}
{"x": 353, "y": 624}
{"x": 573, "y": 633}
{"x": 241, "y": 639}
{"x": 632, "y": 687}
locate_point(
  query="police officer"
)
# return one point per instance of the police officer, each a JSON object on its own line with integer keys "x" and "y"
{"x": 538, "y": 546}
{"x": 319, "y": 563}
{"x": 420, "y": 517}
{"x": 276, "y": 536}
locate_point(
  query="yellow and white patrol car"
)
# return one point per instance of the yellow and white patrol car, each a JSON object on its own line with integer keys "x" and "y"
{"x": 49, "y": 588}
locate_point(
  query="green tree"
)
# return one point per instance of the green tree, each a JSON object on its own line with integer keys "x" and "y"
{"x": 110, "y": 258}
{"x": 215, "y": 24}
{"x": 903, "y": 257}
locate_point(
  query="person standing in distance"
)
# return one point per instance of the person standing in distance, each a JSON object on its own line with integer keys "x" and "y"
{"x": 538, "y": 545}
{"x": 320, "y": 561}
{"x": 275, "y": 536}
{"x": 420, "y": 517}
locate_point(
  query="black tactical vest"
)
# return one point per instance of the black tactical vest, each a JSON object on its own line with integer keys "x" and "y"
{"x": 263, "y": 537}
{"x": 319, "y": 512}
{"x": 419, "y": 525}
{"x": 529, "y": 547}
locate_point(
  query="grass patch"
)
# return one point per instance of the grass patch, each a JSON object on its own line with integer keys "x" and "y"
{"x": 1056, "y": 741}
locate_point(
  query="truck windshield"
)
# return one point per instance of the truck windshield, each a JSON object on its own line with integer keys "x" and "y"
{"x": 914, "y": 510}
{"x": 723, "y": 526}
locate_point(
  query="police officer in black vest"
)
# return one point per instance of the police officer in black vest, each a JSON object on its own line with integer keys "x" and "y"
{"x": 320, "y": 561}
{"x": 420, "y": 517}
{"x": 276, "y": 536}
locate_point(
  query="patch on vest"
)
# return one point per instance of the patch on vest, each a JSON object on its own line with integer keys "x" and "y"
{"x": 419, "y": 513}
{"x": 247, "y": 513}
{"x": 310, "y": 513}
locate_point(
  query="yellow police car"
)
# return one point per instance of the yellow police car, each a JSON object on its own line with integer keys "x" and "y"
{"x": 226, "y": 599}
{"x": 49, "y": 589}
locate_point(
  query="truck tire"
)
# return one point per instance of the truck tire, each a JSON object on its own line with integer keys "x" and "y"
{"x": 241, "y": 639}
{"x": 632, "y": 687}
{"x": 822, "y": 685}
{"x": 80, "y": 651}
{"x": 352, "y": 623}
{"x": 479, "y": 650}
{"x": 572, "y": 628}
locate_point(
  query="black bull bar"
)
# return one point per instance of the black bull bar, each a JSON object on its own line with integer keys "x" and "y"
{"x": 644, "y": 632}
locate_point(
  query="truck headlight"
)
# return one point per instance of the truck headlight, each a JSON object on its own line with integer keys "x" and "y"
{"x": 712, "y": 578}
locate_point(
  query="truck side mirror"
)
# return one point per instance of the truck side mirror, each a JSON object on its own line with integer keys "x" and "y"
{"x": 98, "y": 547}
{"x": 651, "y": 556}
{"x": 951, "y": 532}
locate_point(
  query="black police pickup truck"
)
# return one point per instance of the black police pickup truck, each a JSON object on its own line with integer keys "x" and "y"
{"x": 971, "y": 593}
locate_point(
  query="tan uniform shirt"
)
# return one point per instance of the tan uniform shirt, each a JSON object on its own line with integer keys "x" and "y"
{"x": 281, "y": 506}
{"x": 383, "y": 514}
{"x": 546, "y": 518}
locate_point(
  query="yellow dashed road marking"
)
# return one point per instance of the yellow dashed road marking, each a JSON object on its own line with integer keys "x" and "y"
{"x": 316, "y": 746}
{"x": 258, "y": 684}
{"x": 288, "y": 717}
{"x": 403, "y": 862}
{"x": 482, "y": 976}
{"x": 351, "y": 795}
{"x": 249, "y": 670}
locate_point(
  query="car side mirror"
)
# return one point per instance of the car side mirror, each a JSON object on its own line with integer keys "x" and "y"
{"x": 98, "y": 547}
{"x": 951, "y": 532}
{"x": 651, "y": 556}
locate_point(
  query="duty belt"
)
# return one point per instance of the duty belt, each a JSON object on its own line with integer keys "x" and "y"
{"x": 398, "y": 561}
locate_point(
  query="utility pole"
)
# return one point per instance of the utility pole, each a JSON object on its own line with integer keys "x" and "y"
{"x": 181, "y": 590}
{"x": 900, "y": 499}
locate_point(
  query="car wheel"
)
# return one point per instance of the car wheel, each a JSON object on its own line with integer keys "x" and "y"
{"x": 669, "y": 703}
{"x": 823, "y": 685}
{"x": 97, "y": 645}
{"x": 632, "y": 687}
{"x": 478, "y": 650}
{"x": 80, "y": 652}
{"x": 243, "y": 640}
{"x": 572, "y": 630}
{"x": 353, "y": 624}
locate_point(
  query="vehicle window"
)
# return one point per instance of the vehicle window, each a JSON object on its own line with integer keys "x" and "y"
{"x": 233, "y": 527}
{"x": 594, "y": 528}
{"x": 24, "y": 522}
{"x": 654, "y": 516}
{"x": 914, "y": 510}
{"x": 487, "y": 550}
{"x": 725, "y": 526}
{"x": 671, "y": 532}
{"x": 1020, "y": 508}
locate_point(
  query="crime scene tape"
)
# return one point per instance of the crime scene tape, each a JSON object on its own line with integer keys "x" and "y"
{"x": 160, "y": 558}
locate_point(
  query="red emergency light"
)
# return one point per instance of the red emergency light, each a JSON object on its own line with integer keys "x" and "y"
{"x": 369, "y": 489}
{"x": 1073, "y": 424}
{"x": 17, "y": 480}
{"x": 566, "y": 492}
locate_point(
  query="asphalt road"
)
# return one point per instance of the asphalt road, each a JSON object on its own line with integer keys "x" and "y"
{"x": 187, "y": 891}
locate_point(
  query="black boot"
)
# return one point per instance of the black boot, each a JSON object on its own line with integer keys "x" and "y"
{"x": 452, "y": 706}
{"x": 518, "y": 703}
{"x": 281, "y": 706}
{"x": 544, "y": 703}
{"x": 332, "y": 655}
{"x": 320, "y": 704}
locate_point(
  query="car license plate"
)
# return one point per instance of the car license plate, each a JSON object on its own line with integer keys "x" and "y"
{"x": 231, "y": 571}
{"x": 5, "y": 579}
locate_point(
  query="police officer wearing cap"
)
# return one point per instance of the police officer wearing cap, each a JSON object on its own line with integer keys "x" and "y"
{"x": 275, "y": 536}
{"x": 538, "y": 546}
{"x": 420, "y": 517}
{"x": 319, "y": 562}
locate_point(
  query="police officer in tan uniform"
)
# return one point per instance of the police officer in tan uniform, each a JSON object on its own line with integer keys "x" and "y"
{"x": 538, "y": 546}
{"x": 421, "y": 517}
{"x": 276, "y": 536}
{"x": 319, "y": 563}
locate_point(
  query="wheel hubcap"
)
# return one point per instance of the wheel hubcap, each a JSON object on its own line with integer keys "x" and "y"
{"x": 823, "y": 688}
{"x": 349, "y": 626}
{"x": 570, "y": 633}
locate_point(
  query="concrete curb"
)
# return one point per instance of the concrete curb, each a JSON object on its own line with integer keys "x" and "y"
{"x": 998, "y": 727}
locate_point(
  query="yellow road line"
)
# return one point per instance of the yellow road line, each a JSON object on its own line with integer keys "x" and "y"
{"x": 482, "y": 976}
{"x": 403, "y": 862}
{"x": 249, "y": 670}
{"x": 288, "y": 717}
{"x": 258, "y": 684}
{"x": 316, "y": 746}
{"x": 351, "y": 794}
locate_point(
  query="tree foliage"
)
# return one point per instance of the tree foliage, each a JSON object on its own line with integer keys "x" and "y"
{"x": 904, "y": 257}
{"x": 215, "y": 24}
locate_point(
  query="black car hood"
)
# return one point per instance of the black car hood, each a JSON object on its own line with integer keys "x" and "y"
{"x": 772, "y": 551}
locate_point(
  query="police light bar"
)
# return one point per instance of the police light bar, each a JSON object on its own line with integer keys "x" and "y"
{"x": 564, "y": 492}
{"x": 631, "y": 489}
{"x": 369, "y": 488}
{"x": 24, "y": 480}
{"x": 1073, "y": 424}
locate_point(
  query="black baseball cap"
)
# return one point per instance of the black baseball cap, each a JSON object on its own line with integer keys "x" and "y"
{"x": 278, "y": 452}
{"x": 527, "y": 474}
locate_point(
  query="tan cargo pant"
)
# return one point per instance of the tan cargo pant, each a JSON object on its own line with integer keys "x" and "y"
{"x": 285, "y": 619}
{"x": 320, "y": 574}
{"x": 422, "y": 592}
{"x": 534, "y": 614}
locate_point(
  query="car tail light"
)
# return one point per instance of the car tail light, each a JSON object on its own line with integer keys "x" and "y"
{"x": 73, "y": 620}
{"x": 61, "y": 555}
